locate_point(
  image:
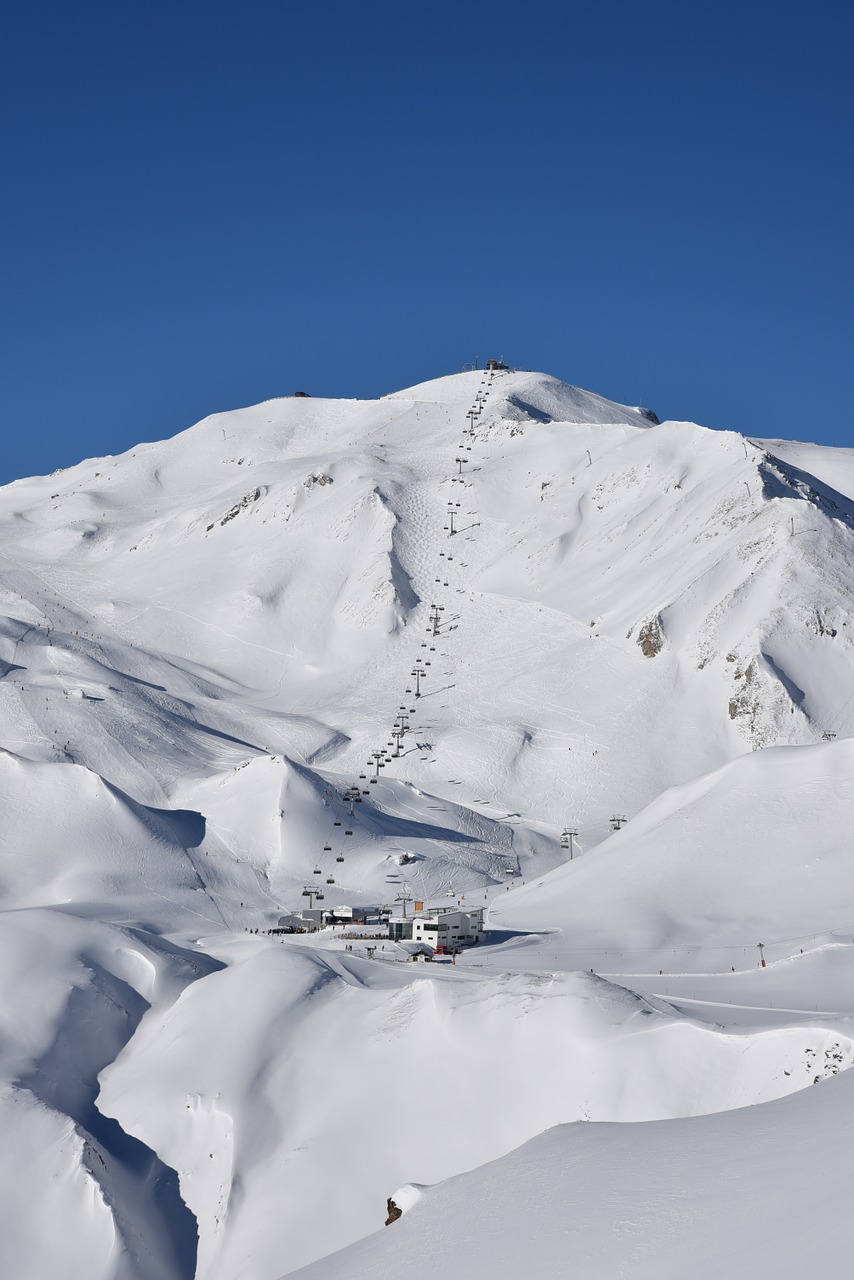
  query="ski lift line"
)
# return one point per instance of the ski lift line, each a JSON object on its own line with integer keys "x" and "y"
{"x": 399, "y": 730}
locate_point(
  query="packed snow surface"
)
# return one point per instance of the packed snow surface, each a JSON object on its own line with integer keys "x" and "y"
{"x": 740, "y": 1194}
{"x": 592, "y": 623}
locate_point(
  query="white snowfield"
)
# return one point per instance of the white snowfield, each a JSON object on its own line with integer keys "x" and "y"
{"x": 755, "y": 1193}
{"x": 584, "y": 616}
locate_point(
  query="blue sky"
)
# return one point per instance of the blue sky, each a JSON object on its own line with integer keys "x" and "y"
{"x": 207, "y": 204}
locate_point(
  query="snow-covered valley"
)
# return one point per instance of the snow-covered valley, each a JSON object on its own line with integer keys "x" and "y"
{"x": 390, "y": 651}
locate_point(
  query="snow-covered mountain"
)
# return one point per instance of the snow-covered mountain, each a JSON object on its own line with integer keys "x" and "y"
{"x": 225, "y": 622}
{"x": 583, "y": 614}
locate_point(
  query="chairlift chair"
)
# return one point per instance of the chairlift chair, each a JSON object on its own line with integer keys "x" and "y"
{"x": 317, "y": 871}
{"x": 340, "y": 857}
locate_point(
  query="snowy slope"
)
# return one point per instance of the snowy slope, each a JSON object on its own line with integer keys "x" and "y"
{"x": 759, "y": 851}
{"x": 349, "y": 1077}
{"x": 834, "y": 467}
{"x": 80, "y": 1196}
{"x": 202, "y": 644}
{"x": 261, "y": 586}
{"x": 760, "y": 1193}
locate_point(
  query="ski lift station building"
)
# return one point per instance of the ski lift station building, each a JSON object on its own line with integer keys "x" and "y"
{"x": 451, "y": 927}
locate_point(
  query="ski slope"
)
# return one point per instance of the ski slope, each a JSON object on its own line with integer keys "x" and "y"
{"x": 758, "y": 1193}
{"x": 583, "y": 614}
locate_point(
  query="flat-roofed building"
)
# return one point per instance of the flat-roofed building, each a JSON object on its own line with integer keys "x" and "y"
{"x": 449, "y": 928}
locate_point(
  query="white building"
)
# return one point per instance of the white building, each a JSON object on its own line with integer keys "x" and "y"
{"x": 449, "y": 928}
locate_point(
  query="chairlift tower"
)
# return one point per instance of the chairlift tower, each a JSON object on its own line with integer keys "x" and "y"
{"x": 418, "y": 674}
{"x": 403, "y": 898}
{"x": 435, "y": 618}
{"x": 352, "y": 797}
{"x": 313, "y": 894}
{"x": 617, "y": 821}
{"x": 567, "y": 839}
{"x": 400, "y": 728}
